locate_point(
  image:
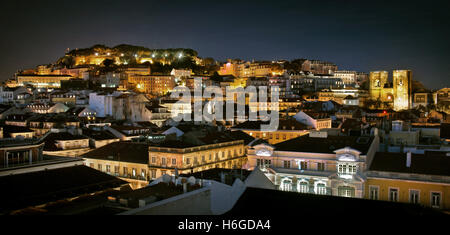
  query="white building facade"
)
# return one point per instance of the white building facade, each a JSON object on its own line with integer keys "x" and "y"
{"x": 336, "y": 172}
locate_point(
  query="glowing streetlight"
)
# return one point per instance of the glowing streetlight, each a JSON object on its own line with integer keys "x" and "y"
{"x": 96, "y": 53}
{"x": 180, "y": 55}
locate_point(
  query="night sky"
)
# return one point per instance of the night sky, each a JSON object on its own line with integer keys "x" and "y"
{"x": 356, "y": 35}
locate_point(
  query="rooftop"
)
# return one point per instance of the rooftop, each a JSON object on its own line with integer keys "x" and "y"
{"x": 430, "y": 163}
{"x": 51, "y": 185}
{"x": 260, "y": 202}
{"x": 121, "y": 151}
{"x": 325, "y": 145}
{"x": 284, "y": 124}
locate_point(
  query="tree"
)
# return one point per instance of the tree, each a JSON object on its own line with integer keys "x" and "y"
{"x": 216, "y": 77}
{"x": 108, "y": 63}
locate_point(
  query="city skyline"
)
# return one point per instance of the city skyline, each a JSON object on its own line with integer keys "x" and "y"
{"x": 355, "y": 36}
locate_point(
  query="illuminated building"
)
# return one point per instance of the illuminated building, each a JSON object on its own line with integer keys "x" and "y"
{"x": 42, "y": 81}
{"x": 186, "y": 158}
{"x": 287, "y": 129}
{"x": 157, "y": 85}
{"x": 47, "y": 108}
{"x": 318, "y": 67}
{"x": 126, "y": 160}
{"x": 302, "y": 82}
{"x": 138, "y": 71}
{"x": 242, "y": 69}
{"x": 65, "y": 144}
{"x": 402, "y": 89}
{"x": 316, "y": 120}
{"x": 422, "y": 99}
{"x": 410, "y": 178}
{"x": 339, "y": 95}
{"x": 348, "y": 77}
{"x": 399, "y": 94}
{"x": 317, "y": 163}
{"x": 195, "y": 149}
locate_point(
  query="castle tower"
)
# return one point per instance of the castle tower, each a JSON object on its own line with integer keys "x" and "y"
{"x": 377, "y": 80}
{"x": 402, "y": 80}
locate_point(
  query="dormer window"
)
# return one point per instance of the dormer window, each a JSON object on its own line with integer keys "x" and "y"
{"x": 346, "y": 169}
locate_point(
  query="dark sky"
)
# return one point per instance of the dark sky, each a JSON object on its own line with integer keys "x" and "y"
{"x": 357, "y": 35}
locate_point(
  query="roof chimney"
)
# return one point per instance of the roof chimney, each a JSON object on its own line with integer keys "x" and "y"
{"x": 408, "y": 159}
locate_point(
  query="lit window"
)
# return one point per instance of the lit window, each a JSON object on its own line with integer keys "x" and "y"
{"x": 436, "y": 199}
{"x": 321, "y": 189}
{"x": 373, "y": 192}
{"x": 393, "y": 194}
{"x": 303, "y": 187}
{"x": 414, "y": 196}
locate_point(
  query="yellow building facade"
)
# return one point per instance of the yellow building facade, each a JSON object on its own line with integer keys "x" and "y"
{"x": 227, "y": 155}
{"x": 427, "y": 192}
{"x": 152, "y": 84}
{"x": 134, "y": 173}
{"x": 42, "y": 81}
{"x": 409, "y": 177}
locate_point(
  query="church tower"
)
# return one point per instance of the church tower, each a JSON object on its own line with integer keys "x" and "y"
{"x": 402, "y": 80}
{"x": 377, "y": 80}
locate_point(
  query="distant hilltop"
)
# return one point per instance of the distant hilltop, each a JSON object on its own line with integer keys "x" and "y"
{"x": 125, "y": 54}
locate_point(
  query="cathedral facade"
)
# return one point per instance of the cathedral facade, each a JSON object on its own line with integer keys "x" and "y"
{"x": 398, "y": 93}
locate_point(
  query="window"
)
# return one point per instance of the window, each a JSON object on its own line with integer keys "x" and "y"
{"x": 303, "y": 187}
{"x": 346, "y": 168}
{"x": 153, "y": 172}
{"x": 303, "y": 165}
{"x": 436, "y": 199}
{"x": 116, "y": 169}
{"x": 267, "y": 162}
{"x": 321, "y": 189}
{"x": 286, "y": 185}
{"x": 188, "y": 161}
{"x": 91, "y": 165}
{"x": 320, "y": 166}
{"x": 108, "y": 168}
{"x": 203, "y": 158}
{"x": 174, "y": 161}
{"x": 153, "y": 159}
{"x": 373, "y": 192}
{"x": 287, "y": 164}
{"x": 346, "y": 191}
{"x": 210, "y": 157}
{"x": 259, "y": 162}
{"x": 163, "y": 172}
{"x": 414, "y": 196}
{"x": 143, "y": 173}
{"x": 393, "y": 194}
{"x": 99, "y": 167}
{"x": 125, "y": 171}
{"x": 163, "y": 161}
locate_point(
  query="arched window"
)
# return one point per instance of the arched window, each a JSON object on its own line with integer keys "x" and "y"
{"x": 321, "y": 189}
{"x": 303, "y": 187}
{"x": 286, "y": 185}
